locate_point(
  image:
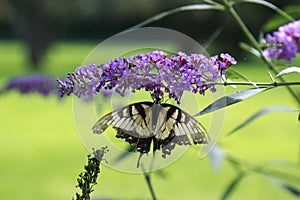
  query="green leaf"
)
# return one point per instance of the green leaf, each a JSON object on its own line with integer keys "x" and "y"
{"x": 232, "y": 74}
{"x": 261, "y": 113}
{"x": 288, "y": 70}
{"x": 250, "y": 49}
{"x": 291, "y": 189}
{"x": 274, "y": 22}
{"x": 269, "y": 5}
{"x": 233, "y": 185}
{"x": 232, "y": 98}
{"x": 195, "y": 7}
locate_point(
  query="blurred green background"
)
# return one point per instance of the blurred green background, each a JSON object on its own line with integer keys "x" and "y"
{"x": 41, "y": 153}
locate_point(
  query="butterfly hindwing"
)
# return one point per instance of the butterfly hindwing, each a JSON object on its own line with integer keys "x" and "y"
{"x": 179, "y": 126}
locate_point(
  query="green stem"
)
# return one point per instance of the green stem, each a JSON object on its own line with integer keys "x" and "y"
{"x": 258, "y": 84}
{"x": 148, "y": 180}
{"x": 241, "y": 24}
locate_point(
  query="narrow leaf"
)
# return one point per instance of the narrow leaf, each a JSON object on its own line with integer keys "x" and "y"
{"x": 233, "y": 185}
{"x": 269, "y": 5}
{"x": 250, "y": 49}
{"x": 276, "y": 20}
{"x": 230, "y": 99}
{"x": 260, "y": 113}
{"x": 162, "y": 15}
{"x": 288, "y": 70}
{"x": 291, "y": 189}
{"x": 232, "y": 74}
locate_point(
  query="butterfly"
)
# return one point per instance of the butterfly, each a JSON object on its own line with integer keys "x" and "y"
{"x": 162, "y": 124}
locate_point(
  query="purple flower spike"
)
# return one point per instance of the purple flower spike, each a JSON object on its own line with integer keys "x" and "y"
{"x": 284, "y": 44}
{"x": 154, "y": 72}
{"x": 41, "y": 84}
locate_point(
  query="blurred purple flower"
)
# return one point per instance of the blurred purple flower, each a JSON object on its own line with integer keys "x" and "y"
{"x": 41, "y": 84}
{"x": 284, "y": 43}
{"x": 154, "y": 72}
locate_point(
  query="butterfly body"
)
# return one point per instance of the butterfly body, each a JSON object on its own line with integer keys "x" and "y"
{"x": 143, "y": 123}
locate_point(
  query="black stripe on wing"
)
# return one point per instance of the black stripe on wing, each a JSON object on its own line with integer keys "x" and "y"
{"x": 186, "y": 124}
{"x": 131, "y": 118}
{"x": 180, "y": 126}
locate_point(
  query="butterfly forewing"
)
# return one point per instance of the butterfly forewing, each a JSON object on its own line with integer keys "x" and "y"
{"x": 131, "y": 118}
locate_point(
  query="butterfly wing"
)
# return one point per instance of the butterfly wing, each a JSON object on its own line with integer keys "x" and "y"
{"x": 132, "y": 123}
{"x": 131, "y": 118}
{"x": 164, "y": 124}
{"x": 177, "y": 129}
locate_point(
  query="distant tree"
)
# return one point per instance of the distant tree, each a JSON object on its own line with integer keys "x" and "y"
{"x": 39, "y": 22}
{"x": 31, "y": 21}
{"x": 36, "y": 22}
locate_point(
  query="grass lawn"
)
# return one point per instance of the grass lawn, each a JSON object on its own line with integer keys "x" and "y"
{"x": 42, "y": 154}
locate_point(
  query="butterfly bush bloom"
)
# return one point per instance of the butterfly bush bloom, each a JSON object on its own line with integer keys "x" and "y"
{"x": 24, "y": 84}
{"x": 154, "y": 72}
{"x": 284, "y": 43}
